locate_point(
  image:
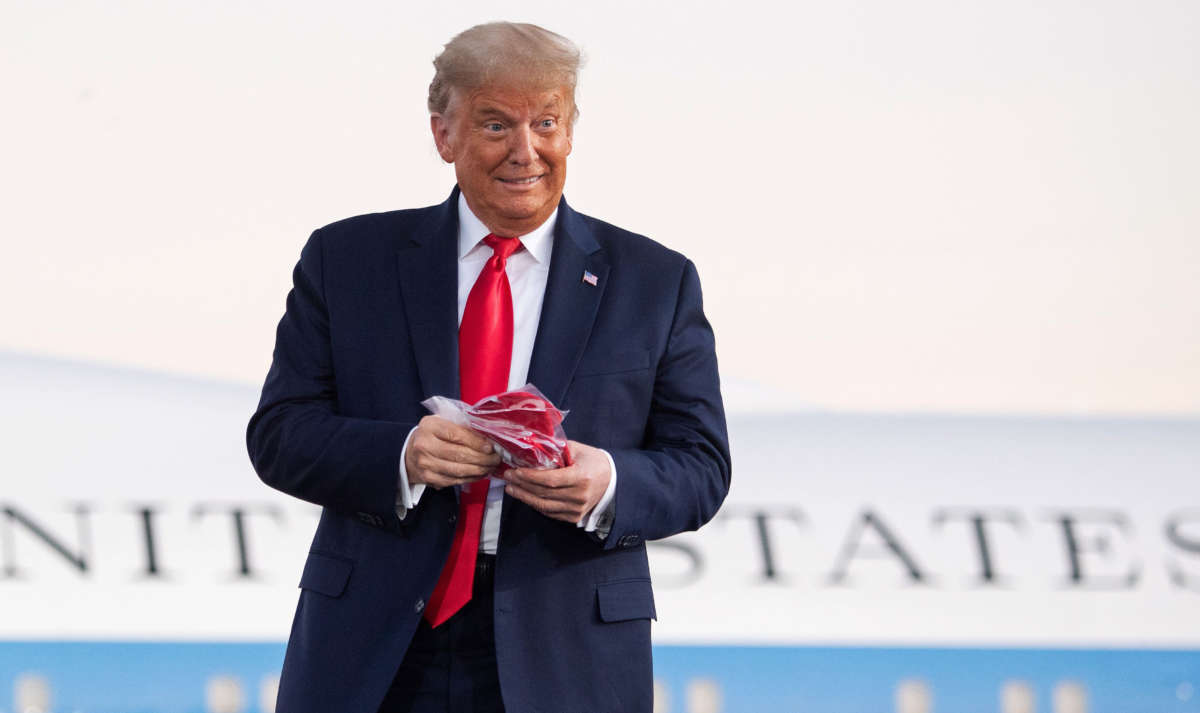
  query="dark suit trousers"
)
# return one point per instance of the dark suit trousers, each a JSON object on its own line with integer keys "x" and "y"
{"x": 452, "y": 669}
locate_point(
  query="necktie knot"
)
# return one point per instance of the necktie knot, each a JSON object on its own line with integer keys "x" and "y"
{"x": 502, "y": 248}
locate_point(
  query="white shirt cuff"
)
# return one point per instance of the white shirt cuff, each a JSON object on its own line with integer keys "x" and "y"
{"x": 407, "y": 496}
{"x": 600, "y": 519}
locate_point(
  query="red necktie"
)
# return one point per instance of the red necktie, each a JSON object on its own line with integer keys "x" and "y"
{"x": 484, "y": 355}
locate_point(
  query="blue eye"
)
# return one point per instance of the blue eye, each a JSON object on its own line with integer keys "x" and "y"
{"x": 493, "y": 126}
{"x": 547, "y": 123}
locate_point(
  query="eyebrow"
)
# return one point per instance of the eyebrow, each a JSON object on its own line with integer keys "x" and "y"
{"x": 489, "y": 110}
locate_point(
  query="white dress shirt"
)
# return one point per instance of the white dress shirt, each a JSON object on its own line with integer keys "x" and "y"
{"x": 527, "y": 269}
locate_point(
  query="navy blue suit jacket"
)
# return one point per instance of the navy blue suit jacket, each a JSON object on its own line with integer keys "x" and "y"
{"x": 370, "y": 330}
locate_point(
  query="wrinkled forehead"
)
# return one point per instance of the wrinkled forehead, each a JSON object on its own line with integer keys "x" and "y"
{"x": 516, "y": 90}
{"x": 508, "y": 99}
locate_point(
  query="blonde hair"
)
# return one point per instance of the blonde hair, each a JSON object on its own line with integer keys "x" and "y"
{"x": 513, "y": 53}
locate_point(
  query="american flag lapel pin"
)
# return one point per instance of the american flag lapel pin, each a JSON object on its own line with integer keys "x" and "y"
{"x": 590, "y": 278}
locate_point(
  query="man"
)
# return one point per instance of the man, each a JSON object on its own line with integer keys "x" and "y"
{"x": 429, "y": 587}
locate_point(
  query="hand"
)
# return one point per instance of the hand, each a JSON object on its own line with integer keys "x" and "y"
{"x": 442, "y": 453}
{"x": 566, "y": 494}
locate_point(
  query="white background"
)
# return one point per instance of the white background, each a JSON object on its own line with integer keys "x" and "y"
{"x": 931, "y": 205}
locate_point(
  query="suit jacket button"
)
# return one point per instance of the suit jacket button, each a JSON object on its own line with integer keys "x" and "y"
{"x": 453, "y": 517}
{"x": 419, "y": 606}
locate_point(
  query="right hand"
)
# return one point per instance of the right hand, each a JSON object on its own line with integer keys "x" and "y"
{"x": 441, "y": 453}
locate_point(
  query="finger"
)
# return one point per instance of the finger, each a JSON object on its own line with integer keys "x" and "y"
{"x": 554, "y": 490}
{"x": 546, "y": 506}
{"x": 543, "y": 479}
{"x": 444, "y": 479}
{"x": 463, "y": 436}
{"x": 428, "y": 439}
{"x": 430, "y": 464}
{"x": 560, "y": 500}
{"x": 461, "y": 454}
{"x": 577, "y": 450}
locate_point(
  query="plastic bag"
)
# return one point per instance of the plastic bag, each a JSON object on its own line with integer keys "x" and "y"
{"x": 524, "y": 425}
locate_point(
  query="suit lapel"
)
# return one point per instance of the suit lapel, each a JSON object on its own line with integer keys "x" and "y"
{"x": 428, "y": 272}
{"x": 570, "y": 304}
{"x": 568, "y": 312}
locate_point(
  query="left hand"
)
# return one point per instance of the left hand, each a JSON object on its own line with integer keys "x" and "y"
{"x": 566, "y": 494}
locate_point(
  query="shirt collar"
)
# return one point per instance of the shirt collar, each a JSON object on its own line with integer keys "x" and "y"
{"x": 472, "y": 231}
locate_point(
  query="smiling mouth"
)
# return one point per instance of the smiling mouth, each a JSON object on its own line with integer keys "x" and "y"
{"x": 521, "y": 181}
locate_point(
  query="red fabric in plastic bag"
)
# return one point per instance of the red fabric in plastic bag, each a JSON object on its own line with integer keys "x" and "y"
{"x": 524, "y": 425}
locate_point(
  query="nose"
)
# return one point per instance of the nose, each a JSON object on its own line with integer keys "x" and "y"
{"x": 521, "y": 150}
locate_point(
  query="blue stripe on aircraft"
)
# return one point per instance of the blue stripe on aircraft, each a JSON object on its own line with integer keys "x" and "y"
{"x": 114, "y": 677}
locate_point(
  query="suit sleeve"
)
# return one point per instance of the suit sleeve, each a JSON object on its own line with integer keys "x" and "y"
{"x": 680, "y": 475}
{"x": 298, "y": 442}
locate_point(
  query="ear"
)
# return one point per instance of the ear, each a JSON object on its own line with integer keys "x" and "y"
{"x": 441, "y": 128}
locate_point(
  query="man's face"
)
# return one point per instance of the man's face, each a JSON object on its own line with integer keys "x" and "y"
{"x": 509, "y": 148}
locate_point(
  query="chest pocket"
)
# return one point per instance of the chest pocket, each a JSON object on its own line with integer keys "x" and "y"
{"x": 608, "y": 398}
{"x": 615, "y": 363}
